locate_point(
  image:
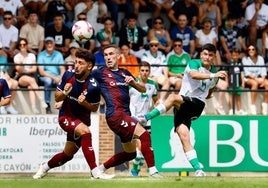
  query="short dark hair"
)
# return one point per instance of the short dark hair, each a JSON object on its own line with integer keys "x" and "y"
{"x": 8, "y": 12}
{"x": 178, "y": 40}
{"x": 86, "y": 55}
{"x": 209, "y": 47}
{"x": 110, "y": 46}
{"x": 145, "y": 64}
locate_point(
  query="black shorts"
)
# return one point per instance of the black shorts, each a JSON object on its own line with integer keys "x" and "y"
{"x": 188, "y": 111}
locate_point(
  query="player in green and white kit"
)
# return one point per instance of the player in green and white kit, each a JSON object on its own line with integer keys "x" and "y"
{"x": 141, "y": 103}
{"x": 199, "y": 80}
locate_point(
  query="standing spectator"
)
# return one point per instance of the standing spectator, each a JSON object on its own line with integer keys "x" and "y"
{"x": 12, "y": 83}
{"x": 236, "y": 83}
{"x": 26, "y": 75}
{"x": 9, "y": 35}
{"x": 141, "y": 103}
{"x": 117, "y": 100}
{"x": 4, "y": 93}
{"x": 257, "y": 18}
{"x": 198, "y": 83}
{"x": 52, "y": 7}
{"x": 61, "y": 34}
{"x": 210, "y": 10}
{"x": 80, "y": 95}
{"x": 131, "y": 33}
{"x": 185, "y": 33}
{"x": 107, "y": 32}
{"x": 229, "y": 37}
{"x": 34, "y": 33}
{"x": 18, "y": 11}
{"x": 128, "y": 61}
{"x": 50, "y": 74}
{"x": 255, "y": 77}
{"x": 158, "y": 31}
{"x": 159, "y": 67}
{"x": 186, "y": 7}
{"x": 177, "y": 60}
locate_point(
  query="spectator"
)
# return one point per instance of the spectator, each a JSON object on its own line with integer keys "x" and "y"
{"x": 34, "y": 5}
{"x": 186, "y": 7}
{"x": 131, "y": 33}
{"x": 115, "y": 5}
{"x": 177, "y": 60}
{"x": 52, "y": 7}
{"x": 158, "y": 31}
{"x": 229, "y": 37}
{"x": 61, "y": 34}
{"x": 255, "y": 77}
{"x": 26, "y": 74}
{"x": 107, "y": 32}
{"x": 126, "y": 59}
{"x": 50, "y": 75}
{"x": 9, "y": 35}
{"x": 159, "y": 68}
{"x": 70, "y": 60}
{"x": 209, "y": 9}
{"x": 18, "y": 11}
{"x": 161, "y": 5}
{"x": 257, "y": 18}
{"x": 137, "y": 5}
{"x": 34, "y": 33}
{"x": 236, "y": 83}
{"x": 185, "y": 33}
{"x": 90, "y": 45}
{"x": 91, "y": 9}
{"x": 12, "y": 83}
{"x": 4, "y": 93}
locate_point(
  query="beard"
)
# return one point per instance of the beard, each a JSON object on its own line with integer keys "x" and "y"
{"x": 81, "y": 75}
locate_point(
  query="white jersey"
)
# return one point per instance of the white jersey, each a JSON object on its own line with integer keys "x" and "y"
{"x": 141, "y": 103}
{"x": 197, "y": 88}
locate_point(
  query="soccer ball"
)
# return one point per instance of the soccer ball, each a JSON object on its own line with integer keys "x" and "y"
{"x": 82, "y": 31}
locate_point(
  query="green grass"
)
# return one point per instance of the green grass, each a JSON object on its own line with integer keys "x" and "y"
{"x": 135, "y": 182}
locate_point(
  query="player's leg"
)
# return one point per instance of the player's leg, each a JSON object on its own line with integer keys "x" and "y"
{"x": 184, "y": 134}
{"x": 138, "y": 162}
{"x": 57, "y": 160}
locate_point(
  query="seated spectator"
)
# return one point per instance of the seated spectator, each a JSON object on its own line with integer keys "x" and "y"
{"x": 26, "y": 75}
{"x": 52, "y": 7}
{"x": 255, "y": 77}
{"x": 18, "y": 11}
{"x": 34, "y": 33}
{"x": 236, "y": 83}
{"x": 158, "y": 31}
{"x": 4, "y": 93}
{"x": 70, "y": 60}
{"x": 9, "y": 35}
{"x": 181, "y": 30}
{"x": 177, "y": 60}
{"x": 257, "y": 18}
{"x": 61, "y": 34}
{"x": 137, "y": 5}
{"x": 161, "y": 5}
{"x": 128, "y": 59}
{"x": 12, "y": 83}
{"x": 159, "y": 70}
{"x": 50, "y": 75}
{"x": 107, "y": 32}
{"x": 131, "y": 33}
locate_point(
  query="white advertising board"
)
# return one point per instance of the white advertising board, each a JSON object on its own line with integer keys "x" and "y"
{"x": 28, "y": 140}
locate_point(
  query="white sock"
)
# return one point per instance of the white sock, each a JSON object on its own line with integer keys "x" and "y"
{"x": 152, "y": 170}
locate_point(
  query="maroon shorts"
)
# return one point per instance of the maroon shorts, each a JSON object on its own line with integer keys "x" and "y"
{"x": 123, "y": 125}
{"x": 68, "y": 124}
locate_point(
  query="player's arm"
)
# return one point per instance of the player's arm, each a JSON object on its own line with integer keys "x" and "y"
{"x": 60, "y": 95}
{"x": 137, "y": 85}
{"x": 5, "y": 101}
{"x": 89, "y": 106}
{"x": 202, "y": 76}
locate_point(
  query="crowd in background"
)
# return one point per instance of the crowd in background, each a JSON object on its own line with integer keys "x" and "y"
{"x": 39, "y": 32}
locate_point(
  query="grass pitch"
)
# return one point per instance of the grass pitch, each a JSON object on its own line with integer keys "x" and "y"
{"x": 134, "y": 182}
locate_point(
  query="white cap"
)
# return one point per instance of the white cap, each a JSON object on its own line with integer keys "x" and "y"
{"x": 49, "y": 39}
{"x": 74, "y": 45}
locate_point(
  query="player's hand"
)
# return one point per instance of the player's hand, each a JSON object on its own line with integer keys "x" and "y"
{"x": 81, "y": 99}
{"x": 221, "y": 74}
{"x": 129, "y": 79}
{"x": 67, "y": 88}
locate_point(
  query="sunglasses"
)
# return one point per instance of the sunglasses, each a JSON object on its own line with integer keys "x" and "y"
{"x": 157, "y": 22}
{"x": 7, "y": 18}
{"x": 153, "y": 45}
{"x": 22, "y": 44}
{"x": 177, "y": 45}
{"x": 251, "y": 49}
